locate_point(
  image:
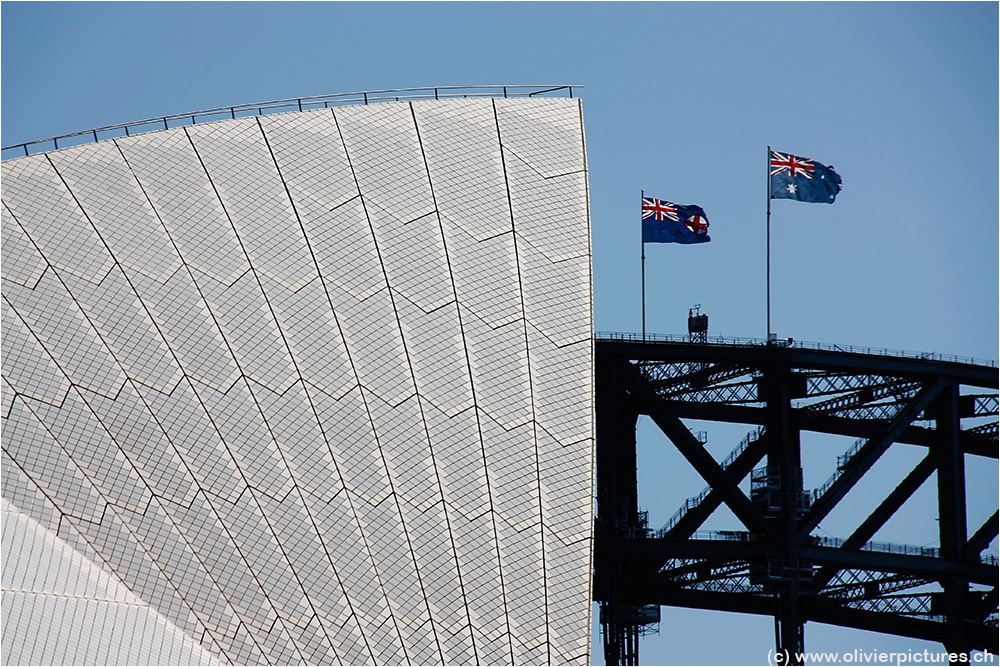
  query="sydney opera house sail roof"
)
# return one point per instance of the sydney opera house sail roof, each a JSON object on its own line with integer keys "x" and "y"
{"x": 309, "y": 387}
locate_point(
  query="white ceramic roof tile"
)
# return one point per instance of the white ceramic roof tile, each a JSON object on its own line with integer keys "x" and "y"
{"x": 236, "y": 416}
{"x": 312, "y": 333}
{"x": 510, "y": 462}
{"x": 460, "y": 459}
{"x": 129, "y": 422}
{"x": 546, "y": 133}
{"x": 248, "y": 525}
{"x": 425, "y": 647}
{"x": 82, "y": 439}
{"x": 485, "y": 274}
{"x": 252, "y": 334}
{"x": 311, "y": 157}
{"x": 296, "y": 530}
{"x": 434, "y": 551}
{"x": 499, "y": 362}
{"x": 7, "y": 396}
{"x": 466, "y": 169}
{"x": 354, "y": 567}
{"x": 570, "y": 599}
{"x": 398, "y": 574}
{"x": 104, "y": 187}
{"x": 403, "y": 440}
{"x": 22, "y": 492}
{"x": 121, "y": 553}
{"x": 40, "y": 203}
{"x": 228, "y": 567}
{"x": 358, "y": 378}
{"x": 342, "y": 242}
{"x": 28, "y": 367}
{"x": 462, "y": 148}
{"x": 436, "y": 349}
{"x": 243, "y": 173}
{"x": 172, "y": 176}
{"x": 388, "y": 163}
{"x": 63, "y": 329}
{"x": 558, "y": 376}
{"x": 189, "y": 428}
{"x": 302, "y": 440}
{"x": 39, "y": 455}
{"x": 371, "y": 333}
{"x": 68, "y": 583}
{"x": 541, "y": 204}
{"x": 566, "y": 492}
{"x": 177, "y": 563}
{"x": 543, "y": 309}
{"x": 358, "y": 458}
{"x": 521, "y": 560}
{"x": 351, "y": 647}
{"x": 22, "y": 264}
{"x": 475, "y": 544}
{"x": 125, "y": 326}
{"x": 183, "y": 317}
{"x": 414, "y": 258}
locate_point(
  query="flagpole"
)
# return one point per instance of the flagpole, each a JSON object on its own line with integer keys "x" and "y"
{"x": 768, "y": 170}
{"x": 642, "y": 195}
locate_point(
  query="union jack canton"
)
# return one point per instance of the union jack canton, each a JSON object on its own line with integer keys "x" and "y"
{"x": 666, "y": 222}
{"x": 802, "y": 179}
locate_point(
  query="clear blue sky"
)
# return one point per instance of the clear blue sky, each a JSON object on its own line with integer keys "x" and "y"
{"x": 680, "y": 99}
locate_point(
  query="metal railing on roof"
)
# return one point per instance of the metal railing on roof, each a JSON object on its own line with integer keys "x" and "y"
{"x": 804, "y": 345}
{"x": 277, "y": 106}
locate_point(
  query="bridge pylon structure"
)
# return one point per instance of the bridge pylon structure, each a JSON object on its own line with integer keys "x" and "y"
{"x": 775, "y": 563}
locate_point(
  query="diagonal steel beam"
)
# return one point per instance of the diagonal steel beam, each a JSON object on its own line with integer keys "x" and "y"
{"x": 982, "y": 537}
{"x": 695, "y": 453}
{"x": 740, "y": 468}
{"x": 882, "y": 513}
{"x": 866, "y": 458}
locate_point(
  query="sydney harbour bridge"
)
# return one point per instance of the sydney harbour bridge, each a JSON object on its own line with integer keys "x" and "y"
{"x": 775, "y": 563}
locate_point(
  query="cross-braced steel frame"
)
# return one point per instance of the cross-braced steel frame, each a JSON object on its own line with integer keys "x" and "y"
{"x": 774, "y": 564}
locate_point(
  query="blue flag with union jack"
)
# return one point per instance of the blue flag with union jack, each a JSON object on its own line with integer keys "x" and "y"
{"x": 802, "y": 179}
{"x": 666, "y": 222}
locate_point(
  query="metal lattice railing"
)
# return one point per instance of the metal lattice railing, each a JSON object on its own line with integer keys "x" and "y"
{"x": 277, "y": 106}
{"x": 798, "y": 344}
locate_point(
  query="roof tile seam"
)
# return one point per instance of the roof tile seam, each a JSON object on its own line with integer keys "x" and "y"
{"x": 531, "y": 384}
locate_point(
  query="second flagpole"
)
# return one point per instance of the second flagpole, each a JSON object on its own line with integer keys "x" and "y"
{"x": 642, "y": 196}
{"x": 768, "y": 170}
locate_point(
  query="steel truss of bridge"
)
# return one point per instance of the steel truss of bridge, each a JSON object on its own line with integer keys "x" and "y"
{"x": 774, "y": 564}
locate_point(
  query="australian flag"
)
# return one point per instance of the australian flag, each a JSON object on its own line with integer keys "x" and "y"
{"x": 665, "y": 222}
{"x": 802, "y": 179}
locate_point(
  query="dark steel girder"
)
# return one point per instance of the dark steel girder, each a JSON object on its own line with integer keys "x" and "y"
{"x": 685, "y": 379}
{"x": 819, "y": 610}
{"x": 777, "y": 567}
{"x": 653, "y": 553}
{"x": 971, "y": 442}
{"x": 740, "y": 468}
{"x": 865, "y": 458}
{"x": 882, "y": 513}
{"x": 695, "y": 452}
{"x": 986, "y": 534}
{"x": 757, "y": 356}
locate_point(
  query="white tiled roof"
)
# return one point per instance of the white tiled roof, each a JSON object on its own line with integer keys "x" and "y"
{"x": 311, "y": 387}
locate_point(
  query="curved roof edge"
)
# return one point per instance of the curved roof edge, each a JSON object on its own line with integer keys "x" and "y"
{"x": 277, "y": 106}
